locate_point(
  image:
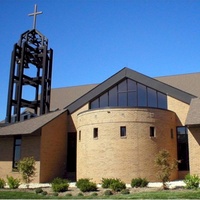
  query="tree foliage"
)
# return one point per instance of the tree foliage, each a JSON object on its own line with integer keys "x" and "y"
{"x": 27, "y": 167}
{"x": 165, "y": 166}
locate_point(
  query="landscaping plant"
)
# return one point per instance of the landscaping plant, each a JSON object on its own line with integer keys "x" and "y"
{"x": 85, "y": 185}
{"x": 27, "y": 167}
{"x": 165, "y": 166}
{"x": 13, "y": 183}
{"x": 115, "y": 184}
{"x": 2, "y": 183}
{"x": 139, "y": 182}
{"x": 60, "y": 185}
{"x": 192, "y": 181}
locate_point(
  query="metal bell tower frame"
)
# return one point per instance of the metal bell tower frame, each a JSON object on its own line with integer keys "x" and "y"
{"x": 30, "y": 52}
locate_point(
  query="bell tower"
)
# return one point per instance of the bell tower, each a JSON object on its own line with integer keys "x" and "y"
{"x": 30, "y": 74}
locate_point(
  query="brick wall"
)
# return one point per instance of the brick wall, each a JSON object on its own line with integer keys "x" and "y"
{"x": 128, "y": 157}
{"x": 53, "y": 153}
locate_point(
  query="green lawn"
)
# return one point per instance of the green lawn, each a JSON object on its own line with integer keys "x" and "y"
{"x": 165, "y": 194}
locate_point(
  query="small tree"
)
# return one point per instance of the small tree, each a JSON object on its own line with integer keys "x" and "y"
{"x": 27, "y": 167}
{"x": 165, "y": 165}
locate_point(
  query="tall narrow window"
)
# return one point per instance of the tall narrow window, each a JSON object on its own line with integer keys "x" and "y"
{"x": 122, "y": 131}
{"x": 95, "y": 132}
{"x": 183, "y": 151}
{"x": 17, "y": 150}
{"x": 79, "y": 135}
{"x": 152, "y": 131}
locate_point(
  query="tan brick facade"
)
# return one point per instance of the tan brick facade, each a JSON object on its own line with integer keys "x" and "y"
{"x": 128, "y": 157}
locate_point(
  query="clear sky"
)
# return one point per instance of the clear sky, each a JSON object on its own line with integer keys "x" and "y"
{"x": 93, "y": 39}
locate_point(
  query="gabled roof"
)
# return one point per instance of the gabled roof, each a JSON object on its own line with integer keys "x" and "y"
{"x": 129, "y": 73}
{"x": 187, "y": 82}
{"x": 30, "y": 125}
{"x": 193, "y": 116}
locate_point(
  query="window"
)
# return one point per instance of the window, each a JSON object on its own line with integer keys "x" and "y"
{"x": 129, "y": 93}
{"x": 79, "y": 135}
{"x": 95, "y": 133}
{"x": 172, "y": 133}
{"x": 152, "y": 131}
{"x": 122, "y": 131}
{"x": 182, "y": 145}
{"x": 17, "y": 150}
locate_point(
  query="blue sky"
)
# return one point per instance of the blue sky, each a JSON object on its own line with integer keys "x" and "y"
{"x": 93, "y": 39}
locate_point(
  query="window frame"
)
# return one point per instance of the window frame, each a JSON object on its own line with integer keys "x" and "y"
{"x": 123, "y": 131}
{"x": 15, "y": 147}
{"x": 152, "y": 132}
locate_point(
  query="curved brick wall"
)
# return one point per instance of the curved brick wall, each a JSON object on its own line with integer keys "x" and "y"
{"x": 112, "y": 156}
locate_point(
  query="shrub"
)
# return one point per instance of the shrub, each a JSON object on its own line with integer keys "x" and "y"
{"x": 85, "y": 185}
{"x": 27, "y": 167}
{"x": 125, "y": 191}
{"x": 2, "y": 183}
{"x": 38, "y": 190}
{"x": 139, "y": 182}
{"x": 108, "y": 193}
{"x": 60, "y": 185}
{"x": 118, "y": 186}
{"x": 13, "y": 183}
{"x": 192, "y": 181}
{"x": 106, "y": 182}
{"x": 165, "y": 165}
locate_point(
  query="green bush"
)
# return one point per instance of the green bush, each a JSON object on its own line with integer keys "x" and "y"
{"x": 13, "y": 183}
{"x": 85, "y": 185}
{"x": 118, "y": 186}
{"x": 125, "y": 191}
{"x": 192, "y": 181}
{"x": 55, "y": 194}
{"x": 38, "y": 190}
{"x": 60, "y": 185}
{"x": 26, "y": 166}
{"x": 68, "y": 195}
{"x": 94, "y": 194}
{"x": 106, "y": 182}
{"x": 108, "y": 193}
{"x": 2, "y": 183}
{"x": 139, "y": 182}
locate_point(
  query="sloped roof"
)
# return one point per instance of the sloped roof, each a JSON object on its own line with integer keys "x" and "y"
{"x": 193, "y": 116}
{"x": 189, "y": 83}
{"x": 31, "y": 125}
{"x": 129, "y": 73}
{"x": 61, "y": 97}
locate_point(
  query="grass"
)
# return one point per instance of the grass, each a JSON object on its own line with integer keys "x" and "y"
{"x": 164, "y": 194}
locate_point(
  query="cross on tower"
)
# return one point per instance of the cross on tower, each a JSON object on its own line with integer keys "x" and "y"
{"x": 34, "y": 14}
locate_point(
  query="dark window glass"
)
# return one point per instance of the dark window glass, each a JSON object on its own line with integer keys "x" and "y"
{"x": 122, "y": 131}
{"x": 17, "y": 150}
{"x": 132, "y": 99}
{"x": 95, "y": 133}
{"x": 95, "y": 103}
{"x": 162, "y": 100}
{"x": 122, "y": 87}
{"x": 152, "y": 97}
{"x": 152, "y": 131}
{"x": 183, "y": 152}
{"x": 104, "y": 100}
{"x": 142, "y": 98}
{"x": 132, "y": 85}
{"x": 122, "y": 98}
{"x": 113, "y": 97}
{"x": 79, "y": 136}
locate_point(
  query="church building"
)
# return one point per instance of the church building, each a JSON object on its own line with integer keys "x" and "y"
{"x": 113, "y": 129}
{"x": 109, "y": 130}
